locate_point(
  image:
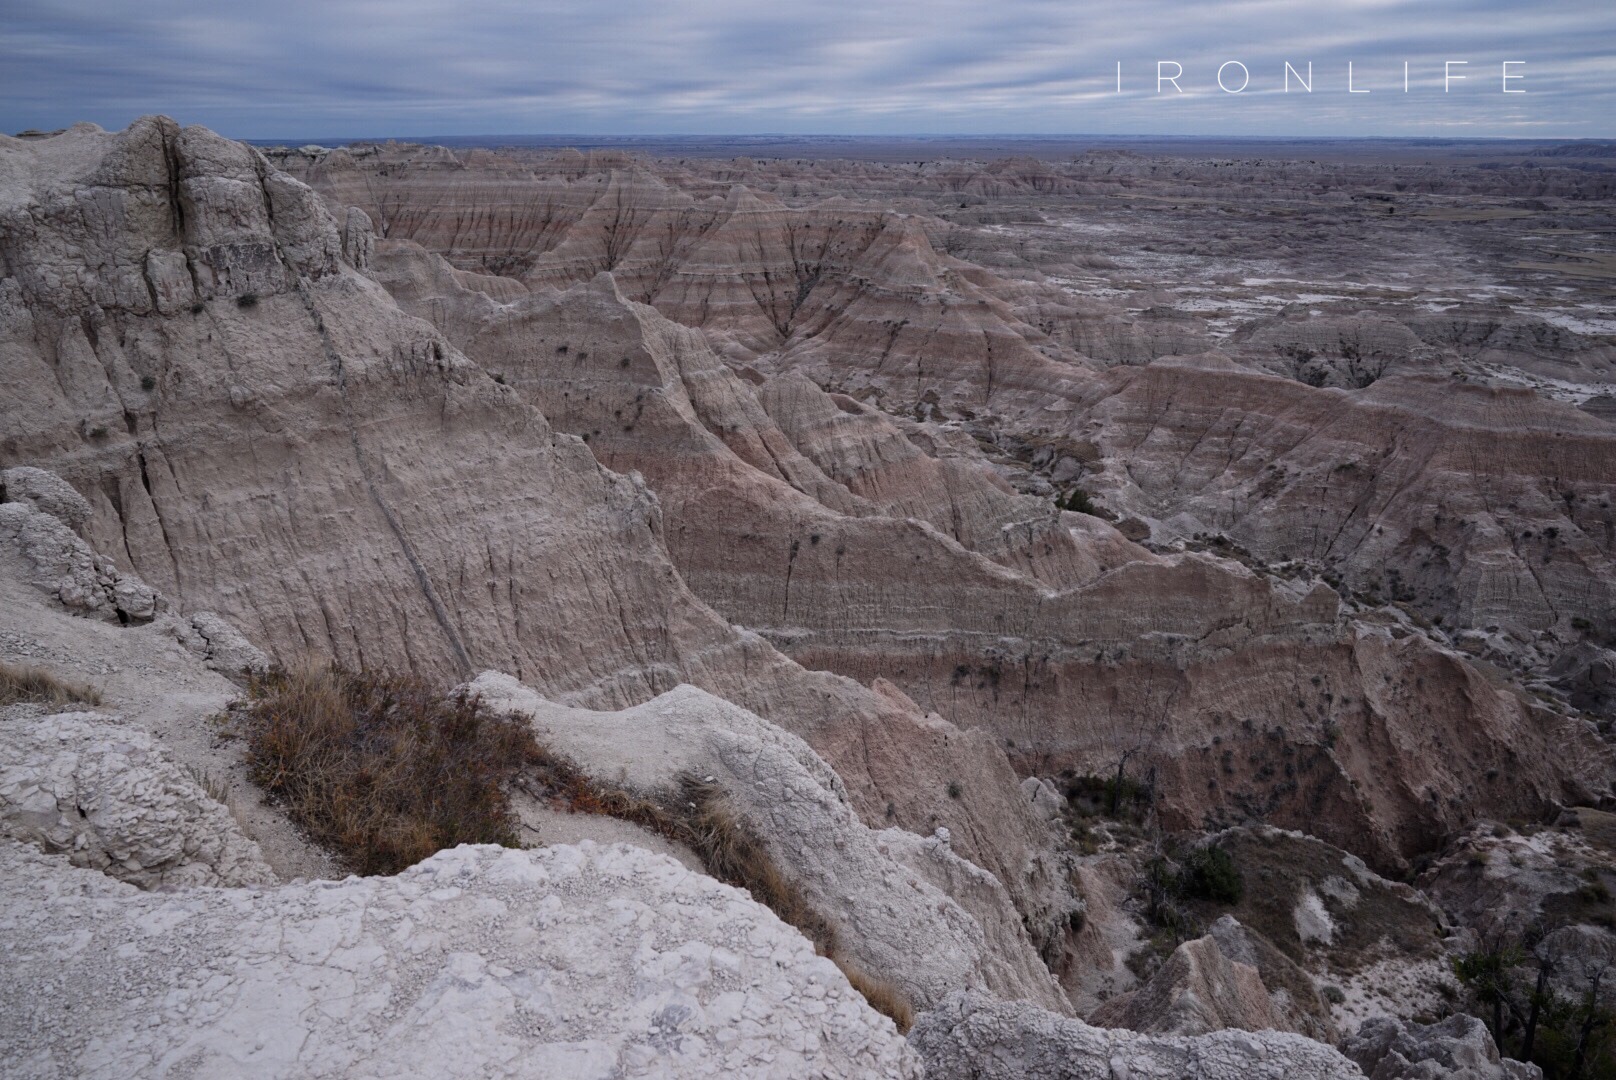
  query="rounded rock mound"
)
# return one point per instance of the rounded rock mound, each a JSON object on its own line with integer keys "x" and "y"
{"x": 578, "y": 961}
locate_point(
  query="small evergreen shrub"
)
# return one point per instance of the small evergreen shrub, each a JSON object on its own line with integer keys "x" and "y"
{"x": 1210, "y": 873}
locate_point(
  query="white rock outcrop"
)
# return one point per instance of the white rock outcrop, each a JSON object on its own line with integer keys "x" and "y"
{"x": 973, "y": 1037}
{"x": 584, "y": 962}
{"x": 53, "y": 558}
{"x": 112, "y": 799}
{"x": 1458, "y": 1048}
{"x": 220, "y": 645}
{"x": 44, "y": 491}
{"x": 895, "y": 913}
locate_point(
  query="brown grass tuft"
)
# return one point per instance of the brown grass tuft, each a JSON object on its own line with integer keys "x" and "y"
{"x": 883, "y": 997}
{"x": 382, "y": 768}
{"x": 700, "y": 817}
{"x": 386, "y": 770}
{"x": 20, "y": 683}
{"x": 733, "y": 854}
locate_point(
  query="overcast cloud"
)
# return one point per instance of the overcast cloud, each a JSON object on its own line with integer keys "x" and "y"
{"x": 329, "y": 68}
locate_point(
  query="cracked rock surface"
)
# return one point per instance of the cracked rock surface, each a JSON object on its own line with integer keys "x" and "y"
{"x": 584, "y": 962}
{"x": 974, "y": 1037}
{"x": 1458, "y": 1048}
{"x": 66, "y": 568}
{"x": 114, "y": 800}
{"x": 883, "y": 899}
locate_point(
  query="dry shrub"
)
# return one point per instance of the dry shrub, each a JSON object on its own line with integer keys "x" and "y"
{"x": 19, "y": 683}
{"x": 731, "y": 853}
{"x": 699, "y": 817}
{"x": 883, "y": 997}
{"x": 384, "y": 769}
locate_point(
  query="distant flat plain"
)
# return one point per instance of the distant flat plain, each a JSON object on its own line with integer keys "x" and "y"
{"x": 898, "y": 148}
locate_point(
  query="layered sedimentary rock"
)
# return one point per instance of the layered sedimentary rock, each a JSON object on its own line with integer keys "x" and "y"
{"x": 1484, "y": 506}
{"x": 864, "y": 300}
{"x": 882, "y": 551}
{"x": 260, "y": 431}
{"x": 811, "y": 287}
{"x": 608, "y": 962}
{"x": 1216, "y": 982}
{"x": 1197, "y": 990}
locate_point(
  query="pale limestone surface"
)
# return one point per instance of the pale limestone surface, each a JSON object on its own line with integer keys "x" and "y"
{"x": 44, "y": 551}
{"x": 162, "y": 689}
{"x": 883, "y": 898}
{"x": 114, "y": 800}
{"x": 582, "y": 961}
{"x": 973, "y": 1037}
{"x": 46, "y": 492}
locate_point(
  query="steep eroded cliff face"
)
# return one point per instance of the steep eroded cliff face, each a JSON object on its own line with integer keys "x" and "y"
{"x": 261, "y": 432}
{"x": 1341, "y": 407}
{"x": 713, "y": 480}
{"x": 871, "y": 546}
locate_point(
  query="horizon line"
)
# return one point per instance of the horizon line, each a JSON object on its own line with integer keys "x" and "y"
{"x": 917, "y": 135}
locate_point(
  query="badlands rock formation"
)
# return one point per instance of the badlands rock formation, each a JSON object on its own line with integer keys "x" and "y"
{"x": 1458, "y": 1048}
{"x": 982, "y": 1039}
{"x": 1501, "y": 882}
{"x": 879, "y": 901}
{"x": 820, "y": 522}
{"x": 171, "y": 298}
{"x": 583, "y": 961}
{"x": 38, "y": 513}
{"x": 1216, "y": 982}
{"x": 991, "y": 535}
{"x": 114, "y": 801}
{"x": 1434, "y": 489}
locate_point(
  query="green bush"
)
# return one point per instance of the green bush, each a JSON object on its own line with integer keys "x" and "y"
{"x": 1210, "y": 873}
{"x": 1076, "y": 500}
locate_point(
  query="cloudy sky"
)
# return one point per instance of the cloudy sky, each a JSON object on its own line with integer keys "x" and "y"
{"x": 302, "y": 69}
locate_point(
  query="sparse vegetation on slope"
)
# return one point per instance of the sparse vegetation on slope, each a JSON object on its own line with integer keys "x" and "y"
{"x": 19, "y": 683}
{"x": 1076, "y": 500}
{"x": 700, "y": 818}
{"x": 1210, "y": 873}
{"x": 385, "y": 769}
{"x": 883, "y": 997}
{"x": 1545, "y": 998}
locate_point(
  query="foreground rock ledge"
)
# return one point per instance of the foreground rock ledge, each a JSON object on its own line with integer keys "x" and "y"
{"x": 574, "y": 961}
{"x": 975, "y": 1037}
